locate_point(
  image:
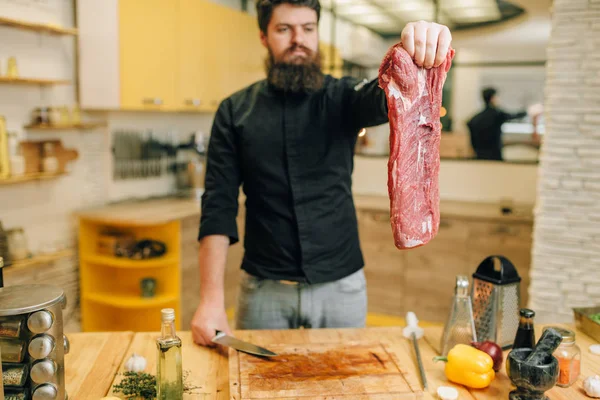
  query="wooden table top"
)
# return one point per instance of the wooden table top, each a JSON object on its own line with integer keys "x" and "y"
{"x": 163, "y": 210}
{"x": 96, "y": 359}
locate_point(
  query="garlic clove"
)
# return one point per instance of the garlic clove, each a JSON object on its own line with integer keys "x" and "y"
{"x": 447, "y": 393}
{"x": 135, "y": 363}
{"x": 591, "y": 385}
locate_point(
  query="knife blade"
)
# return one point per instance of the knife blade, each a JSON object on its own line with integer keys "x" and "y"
{"x": 230, "y": 341}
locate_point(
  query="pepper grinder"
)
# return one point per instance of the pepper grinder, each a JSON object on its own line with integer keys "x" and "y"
{"x": 460, "y": 326}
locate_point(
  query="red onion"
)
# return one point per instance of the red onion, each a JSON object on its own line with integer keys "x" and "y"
{"x": 493, "y": 350}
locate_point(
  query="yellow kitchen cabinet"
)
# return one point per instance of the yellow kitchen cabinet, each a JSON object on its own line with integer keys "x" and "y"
{"x": 199, "y": 54}
{"x": 240, "y": 55}
{"x": 334, "y": 68}
{"x": 148, "y": 53}
{"x": 178, "y": 55}
{"x": 111, "y": 294}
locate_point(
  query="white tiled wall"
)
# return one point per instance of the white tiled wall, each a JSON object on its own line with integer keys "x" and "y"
{"x": 43, "y": 209}
{"x": 566, "y": 254}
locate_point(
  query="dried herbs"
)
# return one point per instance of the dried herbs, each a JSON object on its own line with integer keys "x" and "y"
{"x": 14, "y": 395}
{"x": 143, "y": 385}
{"x": 137, "y": 384}
{"x": 14, "y": 375}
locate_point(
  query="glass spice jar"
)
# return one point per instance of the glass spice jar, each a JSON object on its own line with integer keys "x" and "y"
{"x": 568, "y": 355}
{"x": 12, "y": 350}
{"x": 15, "y": 394}
{"x": 10, "y": 327}
{"x": 14, "y": 375}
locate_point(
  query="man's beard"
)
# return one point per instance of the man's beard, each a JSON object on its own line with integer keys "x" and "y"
{"x": 302, "y": 77}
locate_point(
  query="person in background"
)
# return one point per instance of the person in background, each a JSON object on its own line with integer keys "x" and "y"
{"x": 486, "y": 127}
{"x": 289, "y": 141}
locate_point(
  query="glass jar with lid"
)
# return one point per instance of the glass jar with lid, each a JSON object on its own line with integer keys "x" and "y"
{"x": 568, "y": 355}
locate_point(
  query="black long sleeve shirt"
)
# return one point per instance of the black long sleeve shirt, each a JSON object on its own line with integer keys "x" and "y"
{"x": 486, "y": 132}
{"x": 293, "y": 156}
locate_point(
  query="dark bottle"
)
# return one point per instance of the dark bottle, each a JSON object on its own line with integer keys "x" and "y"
{"x": 525, "y": 337}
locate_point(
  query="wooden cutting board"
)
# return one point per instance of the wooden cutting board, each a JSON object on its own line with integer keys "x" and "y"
{"x": 358, "y": 370}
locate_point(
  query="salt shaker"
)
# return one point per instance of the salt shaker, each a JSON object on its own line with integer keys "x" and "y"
{"x": 460, "y": 325}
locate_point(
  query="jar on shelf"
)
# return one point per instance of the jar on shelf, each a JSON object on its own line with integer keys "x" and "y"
{"x": 12, "y": 70}
{"x": 568, "y": 355}
{"x": 50, "y": 162}
{"x": 17, "y": 244}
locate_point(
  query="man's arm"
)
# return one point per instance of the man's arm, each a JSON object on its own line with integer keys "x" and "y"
{"x": 505, "y": 116}
{"x": 366, "y": 104}
{"x": 218, "y": 227}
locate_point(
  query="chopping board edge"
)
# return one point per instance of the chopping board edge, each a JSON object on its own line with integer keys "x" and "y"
{"x": 412, "y": 380}
{"x": 235, "y": 385}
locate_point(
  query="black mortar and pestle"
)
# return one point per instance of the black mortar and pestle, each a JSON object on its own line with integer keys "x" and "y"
{"x": 534, "y": 371}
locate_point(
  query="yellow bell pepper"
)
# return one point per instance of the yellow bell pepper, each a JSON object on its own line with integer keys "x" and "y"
{"x": 469, "y": 366}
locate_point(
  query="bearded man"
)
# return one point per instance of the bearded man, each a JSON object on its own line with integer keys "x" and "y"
{"x": 288, "y": 141}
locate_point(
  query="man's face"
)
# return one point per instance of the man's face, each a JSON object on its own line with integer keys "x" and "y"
{"x": 292, "y": 35}
{"x": 494, "y": 100}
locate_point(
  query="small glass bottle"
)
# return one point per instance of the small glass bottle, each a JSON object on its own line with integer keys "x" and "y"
{"x": 568, "y": 355}
{"x": 50, "y": 162}
{"x": 460, "y": 324}
{"x": 169, "y": 377}
{"x": 525, "y": 337}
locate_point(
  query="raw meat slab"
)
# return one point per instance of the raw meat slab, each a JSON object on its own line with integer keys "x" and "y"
{"x": 414, "y": 98}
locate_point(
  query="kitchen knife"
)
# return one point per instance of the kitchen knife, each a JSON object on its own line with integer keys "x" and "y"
{"x": 223, "y": 339}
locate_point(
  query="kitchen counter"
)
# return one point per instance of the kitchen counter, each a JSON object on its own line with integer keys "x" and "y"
{"x": 163, "y": 210}
{"x": 96, "y": 358}
{"x": 398, "y": 280}
{"x": 144, "y": 212}
{"x": 461, "y": 209}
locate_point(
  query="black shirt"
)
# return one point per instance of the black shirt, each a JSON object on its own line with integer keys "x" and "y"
{"x": 293, "y": 156}
{"x": 486, "y": 132}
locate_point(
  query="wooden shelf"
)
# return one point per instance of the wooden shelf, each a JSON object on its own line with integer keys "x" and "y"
{"x": 120, "y": 301}
{"x": 81, "y": 126}
{"x": 30, "y": 178}
{"x": 42, "y": 259}
{"x": 32, "y": 81}
{"x": 32, "y": 26}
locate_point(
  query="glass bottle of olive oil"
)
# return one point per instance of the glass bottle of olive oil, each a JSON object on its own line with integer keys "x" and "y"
{"x": 169, "y": 377}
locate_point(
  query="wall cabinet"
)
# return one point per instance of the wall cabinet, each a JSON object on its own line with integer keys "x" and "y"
{"x": 178, "y": 55}
{"x": 147, "y": 53}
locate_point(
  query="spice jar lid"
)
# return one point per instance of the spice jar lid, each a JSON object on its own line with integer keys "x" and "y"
{"x": 568, "y": 336}
{"x": 22, "y": 299}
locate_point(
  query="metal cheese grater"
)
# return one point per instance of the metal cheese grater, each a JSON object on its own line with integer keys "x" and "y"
{"x": 460, "y": 327}
{"x": 496, "y": 301}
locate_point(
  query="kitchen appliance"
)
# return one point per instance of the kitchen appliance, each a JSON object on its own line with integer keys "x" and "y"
{"x": 496, "y": 301}
{"x": 460, "y": 325}
{"x": 222, "y": 339}
{"x": 190, "y": 167}
{"x": 32, "y": 339}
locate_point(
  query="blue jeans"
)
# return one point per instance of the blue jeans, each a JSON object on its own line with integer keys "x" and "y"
{"x": 270, "y": 304}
